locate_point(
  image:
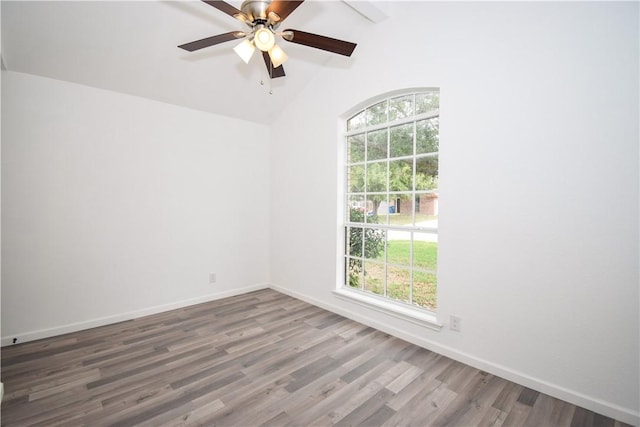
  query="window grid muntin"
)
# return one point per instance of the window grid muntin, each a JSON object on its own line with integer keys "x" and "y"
{"x": 413, "y": 193}
{"x": 372, "y": 128}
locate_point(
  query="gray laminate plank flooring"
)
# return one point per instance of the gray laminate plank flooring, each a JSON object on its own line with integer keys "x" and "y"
{"x": 259, "y": 359}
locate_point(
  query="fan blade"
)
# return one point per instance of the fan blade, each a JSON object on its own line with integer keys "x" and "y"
{"x": 320, "y": 42}
{"x": 274, "y": 72}
{"x": 223, "y": 7}
{"x": 210, "y": 41}
{"x": 283, "y": 7}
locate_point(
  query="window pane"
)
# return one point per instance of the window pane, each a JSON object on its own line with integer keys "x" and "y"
{"x": 403, "y": 209}
{"x": 377, "y": 145}
{"x": 374, "y": 243}
{"x": 400, "y": 107}
{"x": 401, "y": 140}
{"x": 424, "y": 289}
{"x": 356, "y": 208}
{"x": 426, "y": 173}
{"x": 399, "y": 247}
{"x": 426, "y": 102}
{"x": 376, "y": 177}
{"x": 355, "y": 177}
{"x": 401, "y": 175}
{"x": 374, "y": 277}
{"x": 398, "y": 283}
{"x": 425, "y": 251}
{"x": 427, "y": 139}
{"x": 355, "y": 273}
{"x": 357, "y": 121}
{"x": 354, "y": 241}
{"x": 355, "y": 148}
{"x": 377, "y": 114}
{"x": 427, "y": 210}
{"x": 377, "y": 209}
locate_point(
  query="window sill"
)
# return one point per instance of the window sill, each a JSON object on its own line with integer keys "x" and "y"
{"x": 414, "y": 315}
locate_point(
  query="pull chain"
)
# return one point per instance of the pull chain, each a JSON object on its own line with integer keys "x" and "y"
{"x": 262, "y": 79}
{"x": 270, "y": 78}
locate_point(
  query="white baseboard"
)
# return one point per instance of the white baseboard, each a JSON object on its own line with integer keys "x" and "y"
{"x": 108, "y": 320}
{"x": 608, "y": 409}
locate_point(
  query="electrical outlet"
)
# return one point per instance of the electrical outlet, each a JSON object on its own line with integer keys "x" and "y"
{"x": 212, "y": 277}
{"x": 455, "y": 323}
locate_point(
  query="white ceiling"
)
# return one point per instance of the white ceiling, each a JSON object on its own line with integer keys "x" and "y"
{"x": 131, "y": 47}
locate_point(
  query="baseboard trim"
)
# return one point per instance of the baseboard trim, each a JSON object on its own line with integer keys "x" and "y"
{"x": 596, "y": 405}
{"x": 108, "y": 320}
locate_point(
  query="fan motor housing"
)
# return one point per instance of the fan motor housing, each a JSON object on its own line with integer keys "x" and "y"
{"x": 255, "y": 9}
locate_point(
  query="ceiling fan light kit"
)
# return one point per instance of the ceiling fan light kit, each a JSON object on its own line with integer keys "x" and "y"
{"x": 263, "y": 18}
{"x": 264, "y": 39}
{"x": 245, "y": 50}
{"x": 277, "y": 55}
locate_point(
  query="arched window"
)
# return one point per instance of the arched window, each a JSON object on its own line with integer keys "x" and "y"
{"x": 391, "y": 199}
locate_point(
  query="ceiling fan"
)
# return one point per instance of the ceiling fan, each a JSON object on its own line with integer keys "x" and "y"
{"x": 263, "y": 17}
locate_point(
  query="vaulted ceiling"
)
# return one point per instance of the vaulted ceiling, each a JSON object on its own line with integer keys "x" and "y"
{"x": 131, "y": 47}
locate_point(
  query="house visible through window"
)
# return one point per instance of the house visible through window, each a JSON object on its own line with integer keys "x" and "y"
{"x": 391, "y": 205}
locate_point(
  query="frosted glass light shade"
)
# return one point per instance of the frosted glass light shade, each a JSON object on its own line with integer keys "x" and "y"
{"x": 264, "y": 39}
{"x": 245, "y": 50}
{"x": 277, "y": 55}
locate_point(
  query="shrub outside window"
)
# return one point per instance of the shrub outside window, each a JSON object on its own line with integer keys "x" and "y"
{"x": 391, "y": 206}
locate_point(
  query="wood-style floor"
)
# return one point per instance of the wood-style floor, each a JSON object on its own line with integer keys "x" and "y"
{"x": 260, "y": 359}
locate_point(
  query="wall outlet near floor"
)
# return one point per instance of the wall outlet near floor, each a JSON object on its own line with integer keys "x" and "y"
{"x": 455, "y": 323}
{"x": 212, "y": 277}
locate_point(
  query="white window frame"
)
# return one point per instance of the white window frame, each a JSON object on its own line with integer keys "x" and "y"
{"x": 405, "y": 311}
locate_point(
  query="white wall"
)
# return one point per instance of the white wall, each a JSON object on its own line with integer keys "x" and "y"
{"x": 539, "y": 186}
{"x": 117, "y": 206}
